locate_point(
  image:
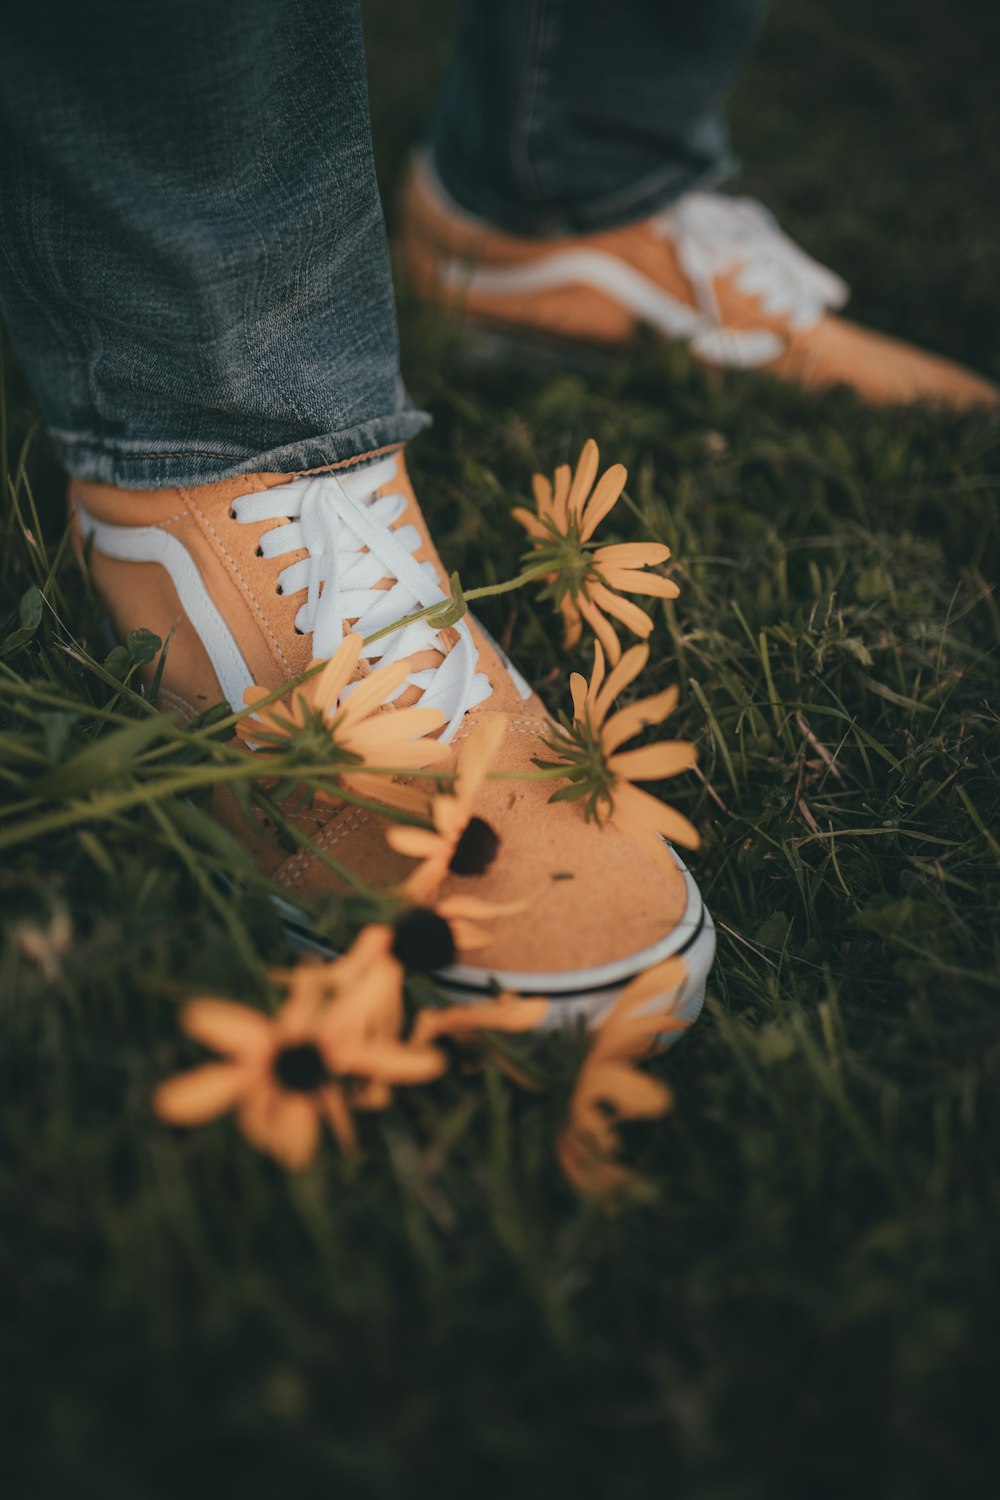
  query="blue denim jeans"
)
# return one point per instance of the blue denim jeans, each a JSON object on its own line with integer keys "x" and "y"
{"x": 193, "y": 263}
{"x": 573, "y": 115}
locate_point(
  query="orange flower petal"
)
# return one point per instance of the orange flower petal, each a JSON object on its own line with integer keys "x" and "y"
{"x": 369, "y": 1096}
{"x": 396, "y": 739}
{"x": 369, "y": 1005}
{"x": 630, "y": 1040}
{"x": 450, "y": 819}
{"x": 542, "y": 491}
{"x": 619, "y": 678}
{"x": 325, "y": 689}
{"x": 597, "y": 672}
{"x": 632, "y": 554}
{"x": 255, "y": 1112}
{"x": 276, "y": 722}
{"x": 640, "y": 830}
{"x": 373, "y": 690}
{"x": 650, "y": 584}
{"x": 654, "y": 762}
{"x": 254, "y": 694}
{"x": 507, "y": 1013}
{"x": 652, "y": 984}
{"x": 228, "y": 1027}
{"x": 380, "y": 789}
{"x": 560, "y": 497}
{"x": 623, "y": 1034}
{"x": 202, "y": 1094}
{"x": 603, "y": 499}
{"x": 468, "y": 937}
{"x": 399, "y": 724}
{"x": 628, "y": 722}
{"x": 422, "y": 885}
{"x": 531, "y": 524}
{"x": 415, "y": 843}
{"x": 572, "y": 624}
{"x": 294, "y": 1131}
{"x": 392, "y": 1062}
{"x": 373, "y": 944}
{"x": 647, "y": 815}
{"x": 387, "y": 757}
{"x": 478, "y": 753}
{"x": 475, "y": 907}
{"x": 621, "y": 609}
{"x": 583, "y": 478}
{"x": 601, "y": 627}
{"x": 631, "y": 1094}
{"x": 578, "y": 688}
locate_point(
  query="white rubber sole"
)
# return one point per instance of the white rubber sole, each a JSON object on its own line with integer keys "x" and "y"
{"x": 582, "y": 994}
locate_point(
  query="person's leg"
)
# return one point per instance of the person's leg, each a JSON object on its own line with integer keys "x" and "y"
{"x": 193, "y": 267}
{"x": 560, "y": 117}
{"x": 195, "y": 275}
{"x": 568, "y": 192}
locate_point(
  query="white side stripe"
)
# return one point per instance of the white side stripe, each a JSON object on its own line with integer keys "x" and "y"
{"x": 150, "y": 544}
{"x": 710, "y": 340}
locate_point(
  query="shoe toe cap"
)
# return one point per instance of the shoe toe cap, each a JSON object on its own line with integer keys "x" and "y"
{"x": 589, "y": 899}
{"x": 885, "y": 370}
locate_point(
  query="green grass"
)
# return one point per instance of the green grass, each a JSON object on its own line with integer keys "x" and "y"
{"x": 804, "y": 1298}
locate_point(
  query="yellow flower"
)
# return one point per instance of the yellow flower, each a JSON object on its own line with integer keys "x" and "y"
{"x": 351, "y": 731}
{"x": 609, "y": 1089}
{"x": 587, "y": 581}
{"x": 603, "y": 776}
{"x": 460, "y": 842}
{"x": 283, "y": 1074}
{"x": 505, "y": 1012}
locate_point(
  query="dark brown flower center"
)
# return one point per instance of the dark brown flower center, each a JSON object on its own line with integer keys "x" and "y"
{"x": 476, "y": 849}
{"x": 300, "y": 1069}
{"x": 423, "y": 941}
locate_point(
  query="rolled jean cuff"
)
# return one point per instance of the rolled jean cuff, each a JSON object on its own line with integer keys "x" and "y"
{"x": 145, "y": 466}
{"x": 649, "y": 196}
{"x": 641, "y": 199}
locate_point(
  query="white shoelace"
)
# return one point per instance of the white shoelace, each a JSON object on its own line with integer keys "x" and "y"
{"x": 715, "y": 235}
{"x": 346, "y": 530}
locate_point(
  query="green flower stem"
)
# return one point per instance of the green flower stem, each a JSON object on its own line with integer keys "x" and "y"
{"x": 193, "y": 779}
{"x": 486, "y": 591}
{"x": 542, "y": 773}
{"x": 197, "y": 778}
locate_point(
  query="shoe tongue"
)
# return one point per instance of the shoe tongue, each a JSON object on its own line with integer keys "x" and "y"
{"x": 450, "y": 681}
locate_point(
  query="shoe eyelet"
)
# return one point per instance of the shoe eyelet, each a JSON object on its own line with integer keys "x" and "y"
{"x": 279, "y": 589}
{"x": 232, "y": 513}
{"x": 259, "y": 552}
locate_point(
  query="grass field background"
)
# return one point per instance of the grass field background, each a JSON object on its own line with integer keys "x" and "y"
{"x": 802, "y": 1299}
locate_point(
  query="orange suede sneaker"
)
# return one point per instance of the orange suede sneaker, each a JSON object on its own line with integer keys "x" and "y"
{"x": 257, "y": 576}
{"x": 713, "y": 271}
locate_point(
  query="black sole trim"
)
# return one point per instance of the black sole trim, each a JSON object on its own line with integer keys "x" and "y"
{"x": 474, "y": 989}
